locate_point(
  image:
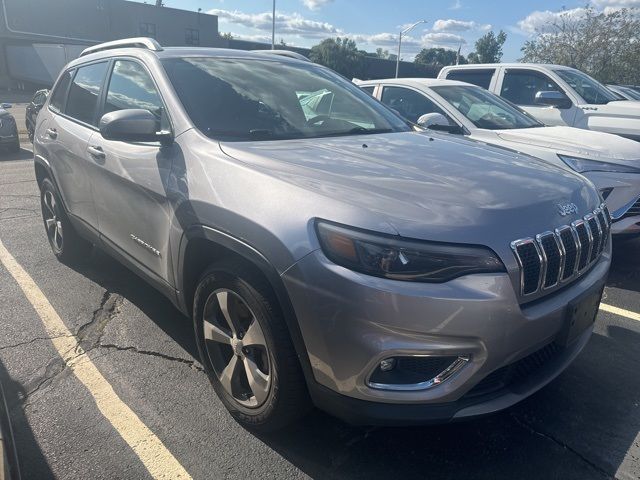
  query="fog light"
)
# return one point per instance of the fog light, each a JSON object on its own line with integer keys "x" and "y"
{"x": 387, "y": 364}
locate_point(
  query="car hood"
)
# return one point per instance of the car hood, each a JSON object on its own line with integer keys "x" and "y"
{"x": 575, "y": 142}
{"x": 435, "y": 187}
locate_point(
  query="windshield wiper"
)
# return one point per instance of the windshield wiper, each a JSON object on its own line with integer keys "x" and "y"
{"x": 369, "y": 130}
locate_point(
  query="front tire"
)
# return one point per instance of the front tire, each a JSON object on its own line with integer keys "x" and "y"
{"x": 246, "y": 350}
{"x": 66, "y": 244}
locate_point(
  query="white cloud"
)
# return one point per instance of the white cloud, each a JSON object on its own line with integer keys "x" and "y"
{"x": 286, "y": 24}
{"x": 617, "y": 3}
{"x": 542, "y": 21}
{"x": 451, "y": 25}
{"x": 457, "y": 5}
{"x": 445, "y": 40}
{"x": 315, "y": 4}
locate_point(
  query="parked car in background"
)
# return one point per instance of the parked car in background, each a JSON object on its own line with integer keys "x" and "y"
{"x": 611, "y": 162}
{"x": 627, "y": 93}
{"x": 9, "y": 462}
{"x": 555, "y": 95}
{"x": 338, "y": 257}
{"x": 8, "y": 130}
{"x": 33, "y": 108}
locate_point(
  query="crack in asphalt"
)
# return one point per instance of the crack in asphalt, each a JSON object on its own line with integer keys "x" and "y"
{"x": 88, "y": 337}
{"x": 560, "y": 443}
{"x": 27, "y": 342}
{"x": 192, "y": 363}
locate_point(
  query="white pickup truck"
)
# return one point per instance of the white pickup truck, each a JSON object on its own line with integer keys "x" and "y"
{"x": 555, "y": 95}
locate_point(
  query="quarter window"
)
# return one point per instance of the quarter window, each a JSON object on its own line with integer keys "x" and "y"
{"x": 84, "y": 92}
{"x": 520, "y": 86}
{"x": 369, "y": 89}
{"x": 409, "y": 103}
{"x": 60, "y": 92}
{"x": 476, "y": 76}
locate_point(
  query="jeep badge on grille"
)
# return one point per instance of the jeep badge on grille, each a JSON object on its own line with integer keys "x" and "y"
{"x": 567, "y": 208}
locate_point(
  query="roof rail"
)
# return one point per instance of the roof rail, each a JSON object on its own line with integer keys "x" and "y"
{"x": 284, "y": 53}
{"x": 138, "y": 42}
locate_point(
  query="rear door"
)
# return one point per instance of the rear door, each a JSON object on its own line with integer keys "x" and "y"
{"x": 66, "y": 134}
{"x": 520, "y": 86}
{"x": 130, "y": 178}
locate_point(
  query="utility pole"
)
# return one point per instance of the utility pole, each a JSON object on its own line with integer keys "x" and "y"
{"x": 403, "y": 32}
{"x": 273, "y": 27}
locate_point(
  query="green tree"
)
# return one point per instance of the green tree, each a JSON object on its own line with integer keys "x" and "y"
{"x": 488, "y": 48}
{"x": 605, "y": 45}
{"x": 227, "y": 36}
{"x": 439, "y": 56}
{"x": 341, "y": 55}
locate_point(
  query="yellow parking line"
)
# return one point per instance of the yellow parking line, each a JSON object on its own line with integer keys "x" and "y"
{"x": 150, "y": 450}
{"x": 620, "y": 311}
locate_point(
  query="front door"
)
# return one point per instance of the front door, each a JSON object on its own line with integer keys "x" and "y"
{"x": 520, "y": 86}
{"x": 130, "y": 178}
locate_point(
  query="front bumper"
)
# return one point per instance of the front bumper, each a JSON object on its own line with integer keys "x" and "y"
{"x": 624, "y": 194}
{"x": 351, "y": 321}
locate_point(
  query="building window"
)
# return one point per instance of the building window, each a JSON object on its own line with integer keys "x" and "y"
{"x": 148, "y": 29}
{"x": 192, "y": 36}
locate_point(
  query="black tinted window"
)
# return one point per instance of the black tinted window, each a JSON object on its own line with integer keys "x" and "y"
{"x": 249, "y": 99}
{"x": 84, "y": 92}
{"x": 60, "y": 92}
{"x": 369, "y": 89}
{"x": 131, "y": 87}
{"x": 479, "y": 77}
{"x": 520, "y": 86}
{"x": 409, "y": 103}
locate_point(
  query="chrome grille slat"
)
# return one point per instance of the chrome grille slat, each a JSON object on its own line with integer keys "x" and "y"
{"x": 553, "y": 258}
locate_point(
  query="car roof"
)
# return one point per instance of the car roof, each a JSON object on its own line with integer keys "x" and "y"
{"x": 507, "y": 65}
{"x": 414, "y": 82}
{"x": 181, "y": 52}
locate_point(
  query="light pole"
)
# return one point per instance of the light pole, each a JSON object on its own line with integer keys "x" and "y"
{"x": 273, "y": 27}
{"x": 406, "y": 30}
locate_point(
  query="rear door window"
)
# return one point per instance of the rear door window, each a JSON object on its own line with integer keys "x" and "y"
{"x": 84, "y": 92}
{"x": 60, "y": 92}
{"x": 477, "y": 76}
{"x": 520, "y": 86}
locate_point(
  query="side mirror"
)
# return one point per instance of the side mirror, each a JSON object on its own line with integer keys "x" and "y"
{"x": 132, "y": 125}
{"x": 5, "y": 106}
{"x": 552, "y": 99}
{"x": 437, "y": 121}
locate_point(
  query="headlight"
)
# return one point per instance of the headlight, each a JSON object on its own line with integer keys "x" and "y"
{"x": 582, "y": 165}
{"x": 392, "y": 257}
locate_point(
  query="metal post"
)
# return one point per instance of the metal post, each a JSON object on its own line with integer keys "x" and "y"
{"x": 406, "y": 30}
{"x": 273, "y": 27}
{"x": 398, "y": 57}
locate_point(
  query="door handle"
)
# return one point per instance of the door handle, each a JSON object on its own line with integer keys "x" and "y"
{"x": 96, "y": 152}
{"x": 52, "y": 133}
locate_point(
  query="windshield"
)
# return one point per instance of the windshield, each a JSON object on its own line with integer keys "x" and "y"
{"x": 590, "y": 90}
{"x": 248, "y": 99}
{"x": 484, "y": 109}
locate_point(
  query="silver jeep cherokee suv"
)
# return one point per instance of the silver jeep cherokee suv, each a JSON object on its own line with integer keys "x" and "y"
{"x": 328, "y": 252}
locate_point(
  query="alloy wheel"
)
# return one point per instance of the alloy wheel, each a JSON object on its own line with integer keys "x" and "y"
{"x": 237, "y": 349}
{"x": 52, "y": 220}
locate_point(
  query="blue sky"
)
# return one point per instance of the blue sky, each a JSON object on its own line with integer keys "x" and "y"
{"x": 375, "y": 23}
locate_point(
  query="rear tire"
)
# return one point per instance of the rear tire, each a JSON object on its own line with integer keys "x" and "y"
{"x": 66, "y": 244}
{"x": 260, "y": 381}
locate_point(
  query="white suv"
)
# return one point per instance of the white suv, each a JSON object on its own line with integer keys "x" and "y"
{"x": 555, "y": 95}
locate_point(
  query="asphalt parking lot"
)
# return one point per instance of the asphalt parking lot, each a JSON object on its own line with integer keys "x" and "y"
{"x": 585, "y": 424}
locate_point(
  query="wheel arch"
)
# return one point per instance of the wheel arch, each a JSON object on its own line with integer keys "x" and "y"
{"x": 201, "y": 246}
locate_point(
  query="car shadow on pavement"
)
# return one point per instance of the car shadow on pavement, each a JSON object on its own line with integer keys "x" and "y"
{"x": 625, "y": 269}
{"x": 7, "y": 156}
{"x": 31, "y": 460}
{"x": 580, "y": 426}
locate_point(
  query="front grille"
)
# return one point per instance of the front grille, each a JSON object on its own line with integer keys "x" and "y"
{"x": 633, "y": 211}
{"x": 515, "y": 373}
{"x": 560, "y": 256}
